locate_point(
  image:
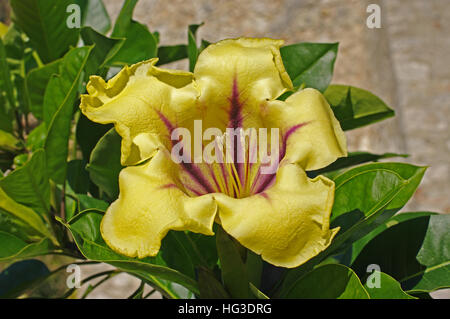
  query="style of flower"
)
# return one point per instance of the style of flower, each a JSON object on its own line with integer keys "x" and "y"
{"x": 283, "y": 216}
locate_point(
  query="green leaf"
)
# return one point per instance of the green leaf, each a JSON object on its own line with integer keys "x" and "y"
{"x": 310, "y": 64}
{"x": 209, "y": 286}
{"x": 331, "y": 281}
{"x": 192, "y": 49}
{"x": 353, "y": 159}
{"x": 172, "y": 53}
{"x": 6, "y": 85}
{"x": 234, "y": 272}
{"x": 104, "y": 49}
{"x": 94, "y": 15}
{"x": 36, "y": 82}
{"x": 104, "y": 166}
{"x": 29, "y": 185}
{"x": 389, "y": 288}
{"x": 257, "y": 293}
{"x": 27, "y": 217}
{"x": 88, "y": 134}
{"x": 18, "y": 277}
{"x": 21, "y": 250}
{"x": 85, "y": 229}
{"x": 368, "y": 195}
{"x": 415, "y": 251}
{"x": 140, "y": 43}
{"x": 355, "y": 107}
{"x": 36, "y": 138}
{"x": 8, "y": 142}
{"x": 58, "y": 106}
{"x": 14, "y": 43}
{"x": 44, "y": 22}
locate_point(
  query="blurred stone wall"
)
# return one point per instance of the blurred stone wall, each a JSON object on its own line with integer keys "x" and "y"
{"x": 403, "y": 62}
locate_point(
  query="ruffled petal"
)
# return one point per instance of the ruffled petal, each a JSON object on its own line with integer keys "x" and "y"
{"x": 145, "y": 104}
{"x": 312, "y": 136}
{"x": 288, "y": 224}
{"x": 151, "y": 202}
{"x": 235, "y": 78}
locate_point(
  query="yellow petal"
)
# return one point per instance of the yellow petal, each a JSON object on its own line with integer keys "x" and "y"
{"x": 288, "y": 224}
{"x": 142, "y": 101}
{"x": 315, "y": 136}
{"x": 151, "y": 202}
{"x": 235, "y": 77}
{"x": 3, "y": 29}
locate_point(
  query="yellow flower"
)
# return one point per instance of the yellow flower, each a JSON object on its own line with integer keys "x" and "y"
{"x": 282, "y": 215}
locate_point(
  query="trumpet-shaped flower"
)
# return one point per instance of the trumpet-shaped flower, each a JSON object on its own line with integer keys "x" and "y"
{"x": 270, "y": 207}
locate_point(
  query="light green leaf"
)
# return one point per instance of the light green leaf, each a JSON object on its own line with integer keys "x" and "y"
{"x": 8, "y": 142}
{"x": 45, "y": 23}
{"x": 58, "y": 106}
{"x": 331, "y": 281}
{"x": 355, "y": 107}
{"x": 19, "y": 249}
{"x": 368, "y": 195}
{"x": 310, "y": 64}
{"x": 36, "y": 82}
{"x": 388, "y": 288}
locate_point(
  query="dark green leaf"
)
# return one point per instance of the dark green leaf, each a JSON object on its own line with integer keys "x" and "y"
{"x": 192, "y": 49}
{"x": 140, "y": 43}
{"x": 353, "y": 159}
{"x": 6, "y": 85}
{"x": 331, "y": 281}
{"x": 77, "y": 176}
{"x": 355, "y": 107}
{"x": 58, "y": 106}
{"x": 45, "y": 23}
{"x": 172, "y": 53}
{"x": 234, "y": 272}
{"x": 310, "y": 64}
{"x": 16, "y": 279}
{"x": 104, "y": 166}
{"x": 88, "y": 134}
{"x": 209, "y": 286}
{"x": 415, "y": 251}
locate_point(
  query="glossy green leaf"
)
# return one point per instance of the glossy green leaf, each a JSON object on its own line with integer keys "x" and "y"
{"x": 45, "y": 23}
{"x": 140, "y": 44}
{"x": 353, "y": 159}
{"x": 331, "y": 281}
{"x": 16, "y": 279}
{"x": 234, "y": 272}
{"x": 59, "y": 101}
{"x": 94, "y": 15}
{"x": 388, "y": 288}
{"x": 104, "y": 166}
{"x": 36, "y": 83}
{"x": 368, "y": 195}
{"x": 85, "y": 229}
{"x": 355, "y": 107}
{"x": 29, "y": 185}
{"x": 192, "y": 48}
{"x": 172, "y": 53}
{"x": 310, "y": 64}
{"x": 414, "y": 251}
